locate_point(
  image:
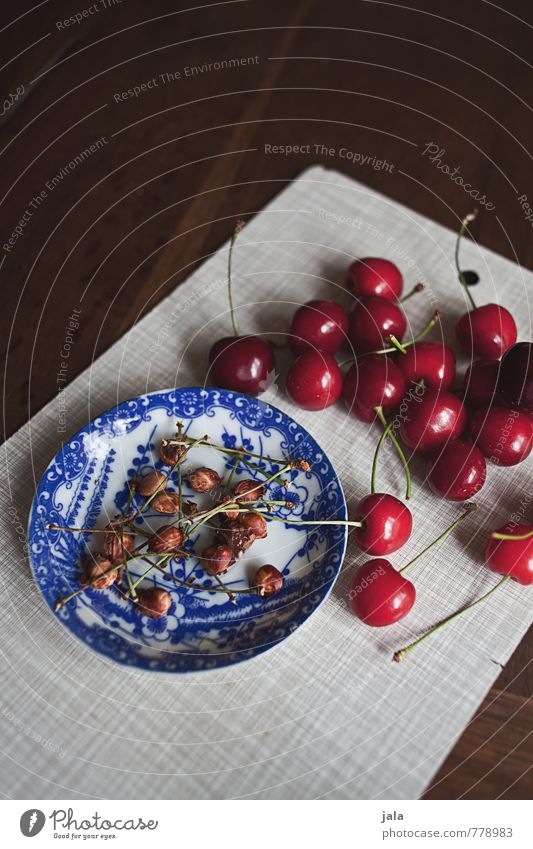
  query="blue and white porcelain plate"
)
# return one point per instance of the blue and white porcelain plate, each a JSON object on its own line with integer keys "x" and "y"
{"x": 86, "y": 485}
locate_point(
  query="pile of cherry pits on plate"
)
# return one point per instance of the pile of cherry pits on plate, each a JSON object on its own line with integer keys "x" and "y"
{"x": 488, "y": 418}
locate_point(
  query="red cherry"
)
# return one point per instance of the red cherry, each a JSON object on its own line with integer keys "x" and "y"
{"x": 516, "y": 376}
{"x": 314, "y": 381}
{"x": 374, "y": 276}
{"x": 319, "y": 326}
{"x": 387, "y": 524}
{"x": 459, "y": 472}
{"x": 503, "y": 434}
{"x": 379, "y": 594}
{"x": 373, "y": 381}
{"x": 432, "y": 362}
{"x": 486, "y": 332}
{"x": 512, "y": 557}
{"x": 372, "y": 322}
{"x": 242, "y": 363}
{"x": 480, "y": 382}
{"x": 432, "y": 419}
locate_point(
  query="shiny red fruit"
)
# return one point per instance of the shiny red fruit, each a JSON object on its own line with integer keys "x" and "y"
{"x": 373, "y": 381}
{"x": 387, "y": 524}
{"x": 242, "y": 363}
{"x": 516, "y": 376}
{"x": 432, "y": 362}
{"x": 318, "y": 326}
{"x": 480, "y": 383}
{"x": 512, "y": 557}
{"x": 431, "y": 420}
{"x": 314, "y": 381}
{"x": 372, "y": 322}
{"x": 503, "y": 434}
{"x": 486, "y": 332}
{"x": 459, "y": 471}
{"x": 379, "y": 595}
{"x": 374, "y": 276}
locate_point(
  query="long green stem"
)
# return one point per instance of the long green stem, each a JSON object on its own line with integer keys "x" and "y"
{"x": 53, "y": 527}
{"x": 236, "y": 507}
{"x": 399, "y": 654}
{"x": 238, "y": 227}
{"x": 261, "y": 484}
{"x": 399, "y": 451}
{"x": 152, "y": 566}
{"x": 223, "y": 586}
{"x": 232, "y": 474}
{"x": 130, "y": 499}
{"x": 464, "y": 224}
{"x": 220, "y": 508}
{"x": 382, "y": 439}
{"x": 289, "y": 521}
{"x": 200, "y": 588}
{"x": 468, "y": 509}
{"x": 128, "y": 578}
{"x": 240, "y": 452}
{"x": 59, "y": 604}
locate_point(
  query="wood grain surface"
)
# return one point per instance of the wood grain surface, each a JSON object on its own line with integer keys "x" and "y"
{"x": 188, "y": 101}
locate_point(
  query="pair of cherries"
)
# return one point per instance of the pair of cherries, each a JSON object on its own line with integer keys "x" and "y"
{"x": 380, "y": 595}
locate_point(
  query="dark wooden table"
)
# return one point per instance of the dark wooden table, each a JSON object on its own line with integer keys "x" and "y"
{"x": 183, "y": 153}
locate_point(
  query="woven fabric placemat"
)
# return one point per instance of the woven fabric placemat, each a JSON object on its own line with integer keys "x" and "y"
{"x": 326, "y": 714}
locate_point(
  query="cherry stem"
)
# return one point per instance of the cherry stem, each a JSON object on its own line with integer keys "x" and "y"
{"x": 399, "y": 451}
{"x": 468, "y": 509}
{"x": 261, "y": 484}
{"x": 135, "y": 530}
{"x": 59, "y": 604}
{"x": 238, "y": 227}
{"x": 131, "y": 585}
{"x": 232, "y": 473}
{"x": 304, "y": 521}
{"x": 399, "y": 654}
{"x": 419, "y": 287}
{"x": 435, "y": 318}
{"x": 382, "y": 439}
{"x": 464, "y": 224}
{"x": 240, "y": 452}
{"x": 236, "y": 507}
{"x": 191, "y": 585}
{"x": 152, "y": 566}
{"x": 223, "y": 586}
{"x": 497, "y": 535}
